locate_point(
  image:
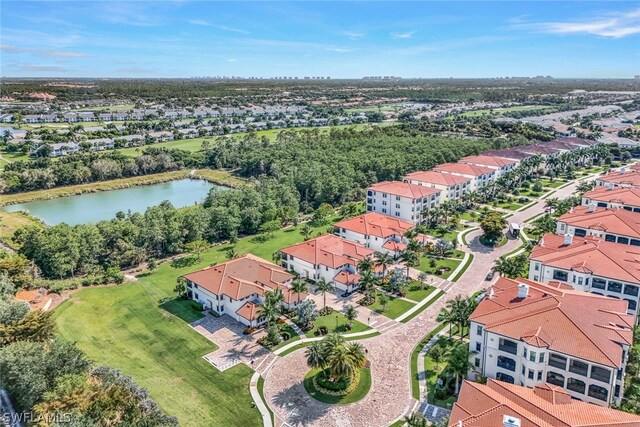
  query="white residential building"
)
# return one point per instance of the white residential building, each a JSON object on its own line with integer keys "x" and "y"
{"x": 479, "y": 175}
{"x": 528, "y": 333}
{"x": 375, "y": 231}
{"x": 627, "y": 198}
{"x": 611, "y": 224}
{"x": 402, "y": 200}
{"x": 499, "y": 164}
{"x": 452, "y": 187}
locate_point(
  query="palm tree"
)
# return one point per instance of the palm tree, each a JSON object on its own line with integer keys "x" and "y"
{"x": 365, "y": 265}
{"x": 415, "y": 420}
{"x": 324, "y": 287}
{"x": 458, "y": 364}
{"x": 299, "y": 286}
{"x": 270, "y": 308}
{"x": 383, "y": 260}
{"x": 367, "y": 283}
{"x": 410, "y": 259}
{"x": 343, "y": 360}
{"x": 351, "y": 313}
{"x": 306, "y": 231}
{"x": 457, "y": 308}
{"x": 315, "y": 355}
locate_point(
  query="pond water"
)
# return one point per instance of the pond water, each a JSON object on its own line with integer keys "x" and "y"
{"x": 94, "y": 207}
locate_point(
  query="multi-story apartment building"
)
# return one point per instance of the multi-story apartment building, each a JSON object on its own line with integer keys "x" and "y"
{"x": 375, "y": 231}
{"x": 452, "y": 186}
{"x": 479, "y": 175}
{"x": 589, "y": 264}
{"x": 500, "y": 404}
{"x": 327, "y": 257}
{"x": 627, "y": 198}
{"x": 620, "y": 178}
{"x": 529, "y": 333}
{"x": 611, "y": 224}
{"x": 237, "y": 287}
{"x": 499, "y": 164}
{"x": 402, "y": 200}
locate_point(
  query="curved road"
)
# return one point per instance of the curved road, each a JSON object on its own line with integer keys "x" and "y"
{"x": 389, "y": 353}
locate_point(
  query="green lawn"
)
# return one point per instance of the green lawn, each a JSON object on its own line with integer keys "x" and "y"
{"x": 360, "y": 391}
{"x": 424, "y": 307}
{"x": 441, "y": 233}
{"x": 416, "y": 294}
{"x": 500, "y": 111}
{"x": 187, "y": 310}
{"x": 293, "y": 336}
{"x": 394, "y": 307}
{"x": 415, "y": 383}
{"x": 126, "y": 327}
{"x": 451, "y": 264}
{"x": 330, "y": 322}
{"x": 553, "y": 184}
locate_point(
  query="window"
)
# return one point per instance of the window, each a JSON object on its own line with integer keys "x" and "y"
{"x": 580, "y": 281}
{"x": 477, "y": 362}
{"x": 508, "y": 346}
{"x": 602, "y": 205}
{"x": 197, "y": 297}
{"x": 504, "y": 377}
{"x": 555, "y": 379}
{"x": 539, "y": 375}
{"x": 506, "y": 363}
{"x": 532, "y": 356}
{"x": 609, "y": 238}
{"x": 541, "y": 358}
{"x": 530, "y": 376}
{"x": 623, "y": 240}
{"x": 560, "y": 275}
{"x": 524, "y": 353}
{"x": 384, "y": 210}
{"x": 632, "y": 304}
{"x": 631, "y": 290}
{"x": 614, "y": 286}
{"x": 635, "y": 242}
{"x": 397, "y": 197}
{"x": 397, "y": 205}
{"x": 600, "y": 374}
{"x": 557, "y": 361}
{"x": 598, "y": 283}
{"x": 536, "y": 266}
{"x": 578, "y": 367}
{"x": 598, "y": 392}
{"x": 576, "y": 385}
{"x": 616, "y": 393}
{"x": 479, "y": 330}
{"x": 580, "y": 232}
{"x": 478, "y": 346}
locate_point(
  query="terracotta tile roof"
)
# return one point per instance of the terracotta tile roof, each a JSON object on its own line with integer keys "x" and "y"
{"x": 329, "y": 250}
{"x": 242, "y": 277}
{"x": 635, "y": 166}
{"x": 404, "y": 189}
{"x": 347, "y": 278}
{"x": 611, "y": 220}
{"x": 394, "y": 246}
{"x": 463, "y": 168}
{"x": 576, "y": 323}
{"x": 590, "y": 254}
{"x": 481, "y": 405}
{"x": 486, "y": 160}
{"x": 375, "y": 224}
{"x": 629, "y": 178}
{"x": 620, "y": 195}
{"x": 249, "y": 311}
{"x": 438, "y": 178}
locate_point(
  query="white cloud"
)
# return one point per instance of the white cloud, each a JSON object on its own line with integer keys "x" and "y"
{"x": 204, "y": 23}
{"x": 406, "y": 35}
{"x": 614, "y": 25}
{"x": 39, "y": 52}
{"x": 338, "y": 49}
{"x": 232, "y": 60}
{"x": 354, "y": 34}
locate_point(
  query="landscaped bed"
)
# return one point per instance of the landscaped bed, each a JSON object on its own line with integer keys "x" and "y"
{"x": 394, "y": 307}
{"x": 330, "y": 320}
{"x": 341, "y": 392}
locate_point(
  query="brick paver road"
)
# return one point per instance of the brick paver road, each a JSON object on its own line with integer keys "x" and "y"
{"x": 389, "y": 353}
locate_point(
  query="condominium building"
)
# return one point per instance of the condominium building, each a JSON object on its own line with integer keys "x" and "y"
{"x": 479, "y": 175}
{"x": 499, "y": 164}
{"x": 620, "y": 178}
{"x": 402, "y": 200}
{"x": 452, "y": 187}
{"x": 375, "y": 231}
{"x": 627, "y": 198}
{"x": 611, "y": 224}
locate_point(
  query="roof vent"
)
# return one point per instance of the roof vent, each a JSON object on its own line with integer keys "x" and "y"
{"x": 509, "y": 421}
{"x": 609, "y": 185}
{"x": 541, "y": 242}
{"x": 623, "y": 170}
{"x": 568, "y": 239}
{"x": 491, "y": 293}
{"x": 523, "y": 290}
{"x": 592, "y": 207}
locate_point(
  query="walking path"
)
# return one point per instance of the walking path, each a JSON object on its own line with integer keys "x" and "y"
{"x": 389, "y": 353}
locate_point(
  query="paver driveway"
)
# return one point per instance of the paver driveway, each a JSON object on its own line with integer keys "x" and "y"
{"x": 389, "y": 353}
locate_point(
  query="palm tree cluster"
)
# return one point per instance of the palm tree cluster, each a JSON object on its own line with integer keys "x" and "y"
{"x": 512, "y": 267}
{"x": 457, "y": 312}
{"x": 338, "y": 358}
{"x": 270, "y": 310}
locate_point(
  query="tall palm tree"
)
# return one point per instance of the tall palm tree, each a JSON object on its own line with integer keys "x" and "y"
{"x": 343, "y": 360}
{"x": 384, "y": 260}
{"x": 457, "y": 308}
{"x": 410, "y": 259}
{"x": 299, "y": 286}
{"x": 459, "y": 364}
{"x": 365, "y": 265}
{"x": 315, "y": 355}
{"x": 351, "y": 313}
{"x": 324, "y": 287}
{"x": 367, "y": 282}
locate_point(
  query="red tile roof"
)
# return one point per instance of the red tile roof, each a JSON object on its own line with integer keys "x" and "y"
{"x": 242, "y": 277}
{"x": 347, "y": 278}
{"x": 611, "y": 220}
{"x": 394, "y": 246}
{"x": 249, "y": 311}
{"x": 487, "y": 161}
{"x": 590, "y": 254}
{"x": 375, "y": 224}
{"x": 329, "y": 250}
{"x": 546, "y": 405}
{"x": 628, "y": 178}
{"x": 404, "y": 189}
{"x": 576, "y": 323}
{"x": 463, "y": 168}
{"x": 624, "y": 196}
{"x": 438, "y": 178}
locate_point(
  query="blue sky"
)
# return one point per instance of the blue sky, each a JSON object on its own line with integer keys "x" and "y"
{"x": 337, "y": 39}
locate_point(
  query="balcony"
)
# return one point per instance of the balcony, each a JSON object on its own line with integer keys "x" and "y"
{"x": 506, "y": 363}
{"x": 508, "y": 346}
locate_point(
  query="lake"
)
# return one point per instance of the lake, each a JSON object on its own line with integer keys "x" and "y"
{"x": 94, "y": 207}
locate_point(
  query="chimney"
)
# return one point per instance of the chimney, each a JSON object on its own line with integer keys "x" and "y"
{"x": 541, "y": 242}
{"x": 491, "y": 293}
{"x": 623, "y": 170}
{"x": 592, "y": 207}
{"x": 609, "y": 185}
{"x": 568, "y": 239}
{"x": 523, "y": 290}
{"x": 509, "y": 421}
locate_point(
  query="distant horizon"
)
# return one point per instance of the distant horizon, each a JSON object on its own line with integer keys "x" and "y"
{"x": 183, "y": 38}
{"x": 301, "y": 79}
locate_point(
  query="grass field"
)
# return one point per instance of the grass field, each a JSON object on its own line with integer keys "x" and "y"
{"x": 10, "y": 222}
{"x": 330, "y": 321}
{"x": 394, "y": 307}
{"x": 125, "y": 327}
{"x": 217, "y": 176}
{"x": 501, "y": 111}
{"x": 451, "y": 264}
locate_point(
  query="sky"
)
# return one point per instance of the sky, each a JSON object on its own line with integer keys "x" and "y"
{"x": 181, "y": 38}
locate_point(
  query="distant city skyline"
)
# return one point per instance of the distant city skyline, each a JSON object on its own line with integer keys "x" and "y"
{"x": 146, "y": 39}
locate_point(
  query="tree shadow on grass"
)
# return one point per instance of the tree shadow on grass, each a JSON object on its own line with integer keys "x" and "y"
{"x": 184, "y": 261}
{"x": 187, "y": 310}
